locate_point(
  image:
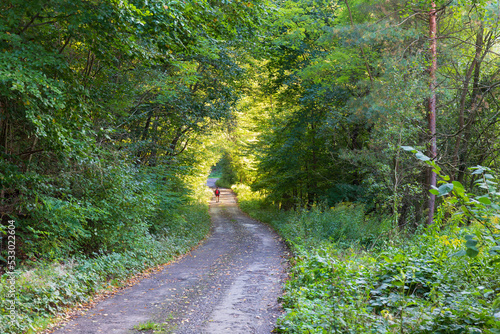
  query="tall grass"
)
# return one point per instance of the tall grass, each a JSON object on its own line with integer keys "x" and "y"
{"x": 345, "y": 223}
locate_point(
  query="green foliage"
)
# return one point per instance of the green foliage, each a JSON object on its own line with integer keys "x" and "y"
{"x": 349, "y": 275}
{"x": 107, "y": 111}
{"x": 483, "y": 208}
{"x": 346, "y": 223}
{"x": 344, "y": 85}
{"x": 149, "y": 325}
{"x": 106, "y": 108}
{"x": 106, "y": 207}
{"x": 412, "y": 288}
{"x": 324, "y": 119}
{"x": 228, "y": 177}
{"x": 215, "y": 171}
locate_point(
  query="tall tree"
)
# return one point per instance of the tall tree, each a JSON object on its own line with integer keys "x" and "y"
{"x": 432, "y": 105}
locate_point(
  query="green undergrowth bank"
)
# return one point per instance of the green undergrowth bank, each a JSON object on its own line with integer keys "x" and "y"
{"x": 45, "y": 289}
{"x": 349, "y": 276}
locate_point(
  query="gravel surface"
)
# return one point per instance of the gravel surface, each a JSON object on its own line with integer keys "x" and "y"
{"x": 230, "y": 284}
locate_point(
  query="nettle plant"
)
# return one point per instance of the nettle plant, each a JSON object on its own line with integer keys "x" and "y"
{"x": 483, "y": 208}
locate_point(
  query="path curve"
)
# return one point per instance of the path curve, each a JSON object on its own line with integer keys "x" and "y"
{"x": 230, "y": 284}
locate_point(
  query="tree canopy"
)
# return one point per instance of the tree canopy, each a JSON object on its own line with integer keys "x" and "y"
{"x": 346, "y": 84}
{"x": 102, "y": 99}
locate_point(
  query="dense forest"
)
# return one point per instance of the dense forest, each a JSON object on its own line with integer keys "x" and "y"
{"x": 343, "y": 89}
{"x": 364, "y": 131}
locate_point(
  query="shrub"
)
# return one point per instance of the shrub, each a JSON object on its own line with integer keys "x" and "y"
{"x": 346, "y": 222}
{"x": 412, "y": 288}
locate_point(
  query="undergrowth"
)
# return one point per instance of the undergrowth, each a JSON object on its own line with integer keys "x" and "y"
{"x": 348, "y": 276}
{"x": 345, "y": 223}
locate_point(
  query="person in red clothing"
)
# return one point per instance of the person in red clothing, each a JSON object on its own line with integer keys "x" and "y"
{"x": 217, "y": 194}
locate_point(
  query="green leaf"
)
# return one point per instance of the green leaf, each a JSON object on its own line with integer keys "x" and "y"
{"x": 484, "y": 200}
{"x": 459, "y": 253}
{"x": 434, "y": 192}
{"x": 459, "y": 188}
{"x": 422, "y": 156}
{"x": 472, "y": 252}
{"x": 471, "y": 243}
{"x": 409, "y": 148}
{"x": 445, "y": 189}
{"x": 397, "y": 283}
{"x": 478, "y": 170}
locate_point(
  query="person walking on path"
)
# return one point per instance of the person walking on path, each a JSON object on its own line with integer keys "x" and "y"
{"x": 217, "y": 194}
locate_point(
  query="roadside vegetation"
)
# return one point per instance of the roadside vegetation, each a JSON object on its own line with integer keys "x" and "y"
{"x": 353, "y": 273}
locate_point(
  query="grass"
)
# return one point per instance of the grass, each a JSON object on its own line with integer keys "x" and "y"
{"x": 164, "y": 327}
{"x": 215, "y": 174}
{"x": 344, "y": 223}
{"x": 149, "y": 325}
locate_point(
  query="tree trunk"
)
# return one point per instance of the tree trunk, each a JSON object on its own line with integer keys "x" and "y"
{"x": 312, "y": 185}
{"x": 432, "y": 106}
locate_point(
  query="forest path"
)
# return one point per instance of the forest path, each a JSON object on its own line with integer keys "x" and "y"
{"x": 229, "y": 284}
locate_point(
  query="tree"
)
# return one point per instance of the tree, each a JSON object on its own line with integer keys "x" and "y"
{"x": 349, "y": 84}
{"x": 432, "y": 105}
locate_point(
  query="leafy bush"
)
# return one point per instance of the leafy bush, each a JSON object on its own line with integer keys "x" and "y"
{"x": 345, "y": 222}
{"x": 412, "y": 288}
{"x": 107, "y": 207}
{"x": 228, "y": 175}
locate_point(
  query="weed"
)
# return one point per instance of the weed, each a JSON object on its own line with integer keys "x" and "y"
{"x": 149, "y": 325}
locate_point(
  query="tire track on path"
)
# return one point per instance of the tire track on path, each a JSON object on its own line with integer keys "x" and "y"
{"x": 229, "y": 284}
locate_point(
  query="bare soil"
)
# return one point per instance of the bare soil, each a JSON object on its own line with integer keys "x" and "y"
{"x": 230, "y": 284}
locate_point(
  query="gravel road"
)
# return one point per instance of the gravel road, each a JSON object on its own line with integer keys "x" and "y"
{"x": 230, "y": 284}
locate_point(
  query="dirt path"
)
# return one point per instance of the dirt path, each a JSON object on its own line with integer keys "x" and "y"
{"x": 230, "y": 284}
